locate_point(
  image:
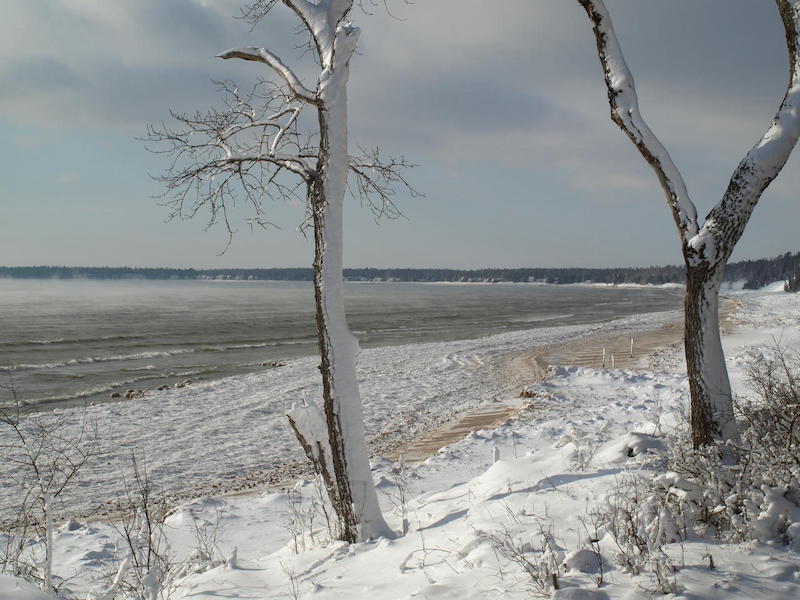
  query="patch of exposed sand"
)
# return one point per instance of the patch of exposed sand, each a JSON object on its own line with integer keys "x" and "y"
{"x": 598, "y": 351}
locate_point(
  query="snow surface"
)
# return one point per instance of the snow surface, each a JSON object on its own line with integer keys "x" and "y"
{"x": 583, "y": 432}
{"x": 16, "y": 589}
{"x": 233, "y": 433}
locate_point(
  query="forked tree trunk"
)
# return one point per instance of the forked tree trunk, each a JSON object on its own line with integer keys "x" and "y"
{"x": 706, "y": 247}
{"x": 712, "y": 415}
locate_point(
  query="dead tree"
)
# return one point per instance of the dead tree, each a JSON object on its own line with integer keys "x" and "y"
{"x": 286, "y": 139}
{"x": 706, "y": 245}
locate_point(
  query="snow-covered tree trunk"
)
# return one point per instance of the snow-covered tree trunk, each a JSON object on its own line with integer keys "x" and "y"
{"x": 358, "y": 509}
{"x": 707, "y": 247}
{"x": 712, "y": 415}
{"x": 334, "y": 438}
{"x": 253, "y": 146}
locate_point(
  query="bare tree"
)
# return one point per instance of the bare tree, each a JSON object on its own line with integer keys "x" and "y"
{"x": 265, "y": 144}
{"x": 43, "y": 456}
{"x": 706, "y": 246}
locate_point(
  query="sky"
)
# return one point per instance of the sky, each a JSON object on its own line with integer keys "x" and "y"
{"x": 501, "y": 104}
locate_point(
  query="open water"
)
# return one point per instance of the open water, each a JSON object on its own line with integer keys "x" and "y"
{"x": 70, "y": 340}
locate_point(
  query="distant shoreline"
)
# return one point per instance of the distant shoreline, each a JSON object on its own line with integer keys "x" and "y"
{"x": 750, "y": 274}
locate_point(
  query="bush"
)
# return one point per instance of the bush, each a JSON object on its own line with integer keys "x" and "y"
{"x": 750, "y": 491}
{"x": 771, "y": 420}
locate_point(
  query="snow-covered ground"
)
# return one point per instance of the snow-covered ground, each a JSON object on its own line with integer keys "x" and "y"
{"x": 233, "y": 433}
{"x": 477, "y": 510}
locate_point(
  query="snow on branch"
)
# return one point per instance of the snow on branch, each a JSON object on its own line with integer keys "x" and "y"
{"x": 725, "y": 223}
{"x": 252, "y": 147}
{"x": 338, "y": 10}
{"x": 377, "y": 181}
{"x": 321, "y": 19}
{"x": 276, "y": 64}
{"x": 311, "y": 430}
{"x": 625, "y": 113}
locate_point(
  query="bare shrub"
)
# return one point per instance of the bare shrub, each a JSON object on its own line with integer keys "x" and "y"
{"x": 539, "y": 560}
{"x": 147, "y": 570}
{"x": 206, "y": 553}
{"x": 399, "y": 496}
{"x": 771, "y": 419}
{"x": 43, "y": 454}
{"x": 642, "y": 518}
{"x": 312, "y": 520}
{"x": 749, "y": 490}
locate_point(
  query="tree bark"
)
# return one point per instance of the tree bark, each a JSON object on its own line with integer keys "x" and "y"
{"x": 712, "y": 416}
{"x": 355, "y": 498}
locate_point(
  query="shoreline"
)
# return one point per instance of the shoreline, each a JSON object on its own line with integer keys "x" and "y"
{"x": 60, "y": 369}
{"x": 517, "y": 370}
{"x": 520, "y": 370}
{"x": 587, "y": 351}
{"x": 473, "y": 382}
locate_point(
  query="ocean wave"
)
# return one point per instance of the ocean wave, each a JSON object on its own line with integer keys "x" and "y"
{"x": 46, "y": 342}
{"x": 100, "y": 389}
{"x": 99, "y": 359}
{"x": 377, "y": 330}
{"x": 541, "y": 318}
{"x": 116, "y": 385}
{"x": 246, "y": 346}
{"x": 84, "y": 340}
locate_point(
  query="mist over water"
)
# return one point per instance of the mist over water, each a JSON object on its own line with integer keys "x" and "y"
{"x": 70, "y": 340}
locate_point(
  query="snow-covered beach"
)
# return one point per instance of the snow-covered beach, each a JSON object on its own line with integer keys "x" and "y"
{"x": 230, "y": 434}
{"x": 576, "y": 439}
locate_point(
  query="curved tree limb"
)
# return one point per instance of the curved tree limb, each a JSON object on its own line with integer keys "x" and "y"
{"x": 263, "y": 55}
{"x": 625, "y": 113}
{"x": 713, "y": 242}
{"x": 726, "y": 222}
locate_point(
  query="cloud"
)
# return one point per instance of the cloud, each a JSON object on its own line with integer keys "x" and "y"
{"x": 90, "y": 63}
{"x": 68, "y": 177}
{"x": 513, "y": 83}
{"x": 38, "y": 74}
{"x": 520, "y": 84}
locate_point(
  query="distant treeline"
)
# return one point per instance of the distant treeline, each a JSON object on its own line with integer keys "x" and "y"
{"x": 754, "y": 273}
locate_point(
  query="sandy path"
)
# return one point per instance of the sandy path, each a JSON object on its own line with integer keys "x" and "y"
{"x": 520, "y": 370}
{"x": 523, "y": 369}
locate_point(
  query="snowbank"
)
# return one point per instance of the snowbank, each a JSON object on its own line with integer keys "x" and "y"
{"x": 12, "y": 588}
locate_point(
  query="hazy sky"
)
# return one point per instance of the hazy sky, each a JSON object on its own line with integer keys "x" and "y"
{"x": 501, "y": 103}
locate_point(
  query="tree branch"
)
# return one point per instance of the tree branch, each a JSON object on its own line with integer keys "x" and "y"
{"x": 625, "y": 113}
{"x": 245, "y": 149}
{"x": 377, "y": 180}
{"x": 263, "y": 55}
{"x": 725, "y": 222}
{"x": 338, "y": 10}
